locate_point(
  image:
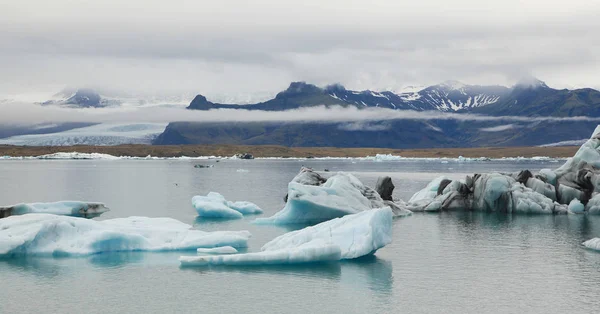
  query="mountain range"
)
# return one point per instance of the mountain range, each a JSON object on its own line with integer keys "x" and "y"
{"x": 532, "y": 98}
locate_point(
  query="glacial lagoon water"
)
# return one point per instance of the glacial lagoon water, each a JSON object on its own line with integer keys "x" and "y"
{"x": 438, "y": 263}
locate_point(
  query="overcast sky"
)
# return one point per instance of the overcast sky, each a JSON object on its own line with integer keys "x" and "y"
{"x": 242, "y": 47}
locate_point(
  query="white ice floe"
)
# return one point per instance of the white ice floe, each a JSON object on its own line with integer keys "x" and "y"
{"x": 340, "y": 195}
{"x": 593, "y": 244}
{"x": 377, "y": 157}
{"x": 45, "y": 234}
{"x": 214, "y": 205}
{"x": 67, "y": 208}
{"x": 348, "y": 237}
{"x": 75, "y": 155}
{"x": 99, "y": 156}
{"x": 218, "y": 250}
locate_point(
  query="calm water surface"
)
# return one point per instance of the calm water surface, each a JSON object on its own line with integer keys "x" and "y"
{"x": 437, "y": 263}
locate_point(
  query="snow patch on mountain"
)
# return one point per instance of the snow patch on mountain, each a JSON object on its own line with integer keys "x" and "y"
{"x": 498, "y": 128}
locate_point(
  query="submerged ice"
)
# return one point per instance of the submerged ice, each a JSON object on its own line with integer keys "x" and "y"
{"x": 214, "y": 205}
{"x": 67, "y": 208}
{"x": 46, "y": 234}
{"x": 347, "y": 237}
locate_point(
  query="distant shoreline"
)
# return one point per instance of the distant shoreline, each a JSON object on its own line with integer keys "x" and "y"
{"x": 281, "y": 151}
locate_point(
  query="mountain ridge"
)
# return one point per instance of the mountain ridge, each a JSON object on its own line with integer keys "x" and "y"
{"x": 531, "y": 98}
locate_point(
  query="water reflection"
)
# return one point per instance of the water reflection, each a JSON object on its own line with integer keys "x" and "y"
{"x": 329, "y": 270}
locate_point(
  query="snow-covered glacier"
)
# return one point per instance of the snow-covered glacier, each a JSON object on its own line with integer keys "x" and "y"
{"x": 52, "y": 235}
{"x": 214, "y": 205}
{"x": 67, "y": 208}
{"x": 347, "y": 237}
{"x": 99, "y": 134}
{"x": 572, "y": 188}
{"x": 312, "y": 199}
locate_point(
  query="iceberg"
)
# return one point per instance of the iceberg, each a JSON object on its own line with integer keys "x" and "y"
{"x": 313, "y": 199}
{"x": 214, "y": 205}
{"x": 572, "y": 188}
{"x": 593, "y": 244}
{"x": 342, "y": 194}
{"x": 348, "y": 237}
{"x": 67, "y": 208}
{"x": 52, "y": 235}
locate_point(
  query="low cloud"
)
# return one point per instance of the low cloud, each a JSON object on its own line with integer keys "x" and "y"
{"x": 30, "y": 114}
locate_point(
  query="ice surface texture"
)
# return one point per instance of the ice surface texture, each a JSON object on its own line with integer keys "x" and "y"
{"x": 214, "y": 205}
{"x": 45, "y": 234}
{"x": 348, "y": 237}
{"x": 67, "y": 208}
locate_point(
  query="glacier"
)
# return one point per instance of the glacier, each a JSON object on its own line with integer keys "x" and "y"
{"x": 67, "y": 208}
{"x": 104, "y": 134}
{"x": 574, "y": 187}
{"x": 312, "y": 199}
{"x": 214, "y": 205}
{"x": 52, "y": 235}
{"x": 348, "y": 237}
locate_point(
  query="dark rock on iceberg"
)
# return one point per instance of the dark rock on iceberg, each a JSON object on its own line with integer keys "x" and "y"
{"x": 385, "y": 188}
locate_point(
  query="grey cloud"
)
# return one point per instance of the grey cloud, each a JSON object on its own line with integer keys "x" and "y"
{"x": 239, "y": 46}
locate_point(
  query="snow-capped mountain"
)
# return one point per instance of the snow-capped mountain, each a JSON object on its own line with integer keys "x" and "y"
{"x": 455, "y": 96}
{"x": 528, "y": 97}
{"x": 91, "y": 98}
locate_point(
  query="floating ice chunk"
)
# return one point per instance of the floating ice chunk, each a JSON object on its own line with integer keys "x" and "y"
{"x": 67, "y": 208}
{"x": 243, "y": 170}
{"x": 337, "y": 197}
{"x": 575, "y": 207}
{"x": 357, "y": 235}
{"x": 76, "y": 155}
{"x": 593, "y": 244}
{"x": 45, "y": 234}
{"x": 214, "y": 205}
{"x": 387, "y": 157}
{"x": 218, "y": 250}
{"x": 348, "y": 237}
